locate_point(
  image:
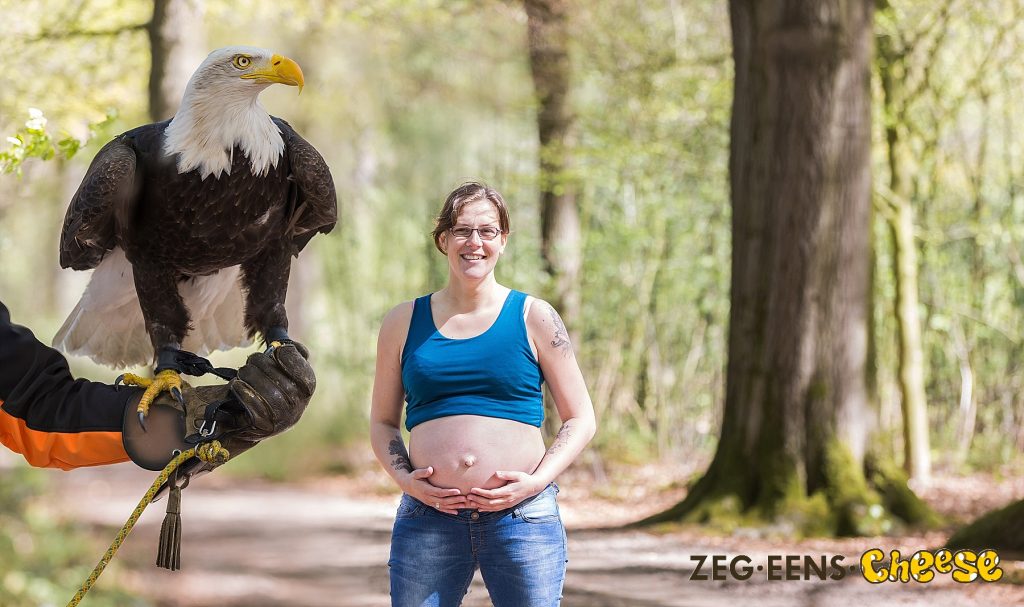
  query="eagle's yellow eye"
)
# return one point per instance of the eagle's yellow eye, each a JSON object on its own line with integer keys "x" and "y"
{"x": 241, "y": 61}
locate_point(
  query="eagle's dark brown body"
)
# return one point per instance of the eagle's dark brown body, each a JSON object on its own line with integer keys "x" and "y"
{"x": 173, "y": 227}
{"x": 199, "y": 226}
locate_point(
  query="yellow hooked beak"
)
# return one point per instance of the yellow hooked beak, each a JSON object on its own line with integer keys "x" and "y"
{"x": 279, "y": 70}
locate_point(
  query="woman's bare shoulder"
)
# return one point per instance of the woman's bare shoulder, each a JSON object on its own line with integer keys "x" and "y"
{"x": 396, "y": 322}
{"x": 402, "y": 311}
{"x": 545, "y": 326}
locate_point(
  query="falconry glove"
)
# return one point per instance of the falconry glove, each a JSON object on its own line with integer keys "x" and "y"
{"x": 268, "y": 396}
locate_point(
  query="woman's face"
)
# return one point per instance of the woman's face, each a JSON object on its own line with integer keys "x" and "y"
{"x": 472, "y": 256}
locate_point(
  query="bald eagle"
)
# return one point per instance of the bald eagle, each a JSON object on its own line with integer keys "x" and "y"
{"x": 180, "y": 218}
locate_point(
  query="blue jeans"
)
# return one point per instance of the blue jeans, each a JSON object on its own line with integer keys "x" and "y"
{"x": 520, "y": 551}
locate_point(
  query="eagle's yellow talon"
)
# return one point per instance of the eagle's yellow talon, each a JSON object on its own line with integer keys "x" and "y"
{"x": 131, "y": 379}
{"x": 167, "y": 380}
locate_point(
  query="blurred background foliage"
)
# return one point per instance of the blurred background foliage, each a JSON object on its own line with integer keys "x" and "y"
{"x": 42, "y": 562}
{"x": 407, "y": 99}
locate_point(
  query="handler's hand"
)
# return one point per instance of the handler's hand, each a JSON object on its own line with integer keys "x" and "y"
{"x": 274, "y": 387}
{"x": 519, "y": 487}
{"x": 438, "y": 498}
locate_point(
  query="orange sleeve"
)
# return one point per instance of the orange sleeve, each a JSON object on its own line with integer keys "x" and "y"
{"x": 64, "y": 450}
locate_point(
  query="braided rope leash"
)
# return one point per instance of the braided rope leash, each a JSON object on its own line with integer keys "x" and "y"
{"x": 211, "y": 452}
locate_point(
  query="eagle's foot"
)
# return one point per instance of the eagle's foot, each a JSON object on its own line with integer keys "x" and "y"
{"x": 167, "y": 380}
{"x": 275, "y": 337}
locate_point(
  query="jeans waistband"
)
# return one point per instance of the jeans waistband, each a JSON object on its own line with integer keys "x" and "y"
{"x": 467, "y": 513}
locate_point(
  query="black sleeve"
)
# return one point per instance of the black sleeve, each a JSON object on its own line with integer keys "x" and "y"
{"x": 49, "y": 416}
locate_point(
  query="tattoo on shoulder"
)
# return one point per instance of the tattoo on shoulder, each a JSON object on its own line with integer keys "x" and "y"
{"x": 401, "y": 461}
{"x": 561, "y": 340}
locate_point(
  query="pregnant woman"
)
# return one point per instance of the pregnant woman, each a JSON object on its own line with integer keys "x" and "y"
{"x": 478, "y": 482}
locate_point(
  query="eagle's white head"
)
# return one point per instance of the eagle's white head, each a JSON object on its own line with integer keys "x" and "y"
{"x": 221, "y": 110}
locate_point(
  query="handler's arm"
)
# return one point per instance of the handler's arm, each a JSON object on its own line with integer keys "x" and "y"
{"x": 48, "y": 416}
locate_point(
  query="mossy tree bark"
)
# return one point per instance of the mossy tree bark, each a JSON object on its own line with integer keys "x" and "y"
{"x": 795, "y": 425}
{"x": 1001, "y": 530}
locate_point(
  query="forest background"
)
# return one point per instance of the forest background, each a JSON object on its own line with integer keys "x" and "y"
{"x": 406, "y": 100}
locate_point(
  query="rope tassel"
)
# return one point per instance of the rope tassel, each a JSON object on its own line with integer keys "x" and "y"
{"x": 211, "y": 452}
{"x": 168, "y": 555}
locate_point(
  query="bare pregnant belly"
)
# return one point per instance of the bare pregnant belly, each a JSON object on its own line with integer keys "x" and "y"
{"x": 466, "y": 450}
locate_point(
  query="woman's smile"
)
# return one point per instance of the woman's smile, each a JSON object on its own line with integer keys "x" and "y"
{"x": 475, "y": 243}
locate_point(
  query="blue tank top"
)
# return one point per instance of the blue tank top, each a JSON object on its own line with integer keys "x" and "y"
{"x": 494, "y": 374}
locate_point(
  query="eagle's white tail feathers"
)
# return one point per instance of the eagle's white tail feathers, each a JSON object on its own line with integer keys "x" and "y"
{"x": 217, "y": 308}
{"x": 107, "y": 325}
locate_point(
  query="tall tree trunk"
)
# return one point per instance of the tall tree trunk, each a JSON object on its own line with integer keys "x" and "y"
{"x": 916, "y": 445}
{"x": 561, "y": 241}
{"x": 900, "y": 220}
{"x": 978, "y": 280}
{"x": 548, "y": 30}
{"x": 177, "y": 44}
{"x": 796, "y": 411}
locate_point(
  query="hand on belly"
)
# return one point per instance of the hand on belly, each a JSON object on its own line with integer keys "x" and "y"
{"x": 466, "y": 451}
{"x": 518, "y": 486}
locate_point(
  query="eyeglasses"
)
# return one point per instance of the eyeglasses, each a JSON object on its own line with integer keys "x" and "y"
{"x": 465, "y": 233}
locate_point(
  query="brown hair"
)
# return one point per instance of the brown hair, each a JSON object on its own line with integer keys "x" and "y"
{"x": 461, "y": 196}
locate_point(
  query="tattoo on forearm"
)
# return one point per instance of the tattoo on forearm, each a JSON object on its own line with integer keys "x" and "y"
{"x": 561, "y": 339}
{"x": 401, "y": 461}
{"x": 561, "y": 439}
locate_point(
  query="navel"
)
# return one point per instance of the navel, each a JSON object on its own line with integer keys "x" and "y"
{"x": 469, "y": 460}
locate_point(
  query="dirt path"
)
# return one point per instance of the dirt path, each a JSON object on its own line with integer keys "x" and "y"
{"x": 258, "y": 545}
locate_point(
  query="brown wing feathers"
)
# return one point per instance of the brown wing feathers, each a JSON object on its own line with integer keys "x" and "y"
{"x": 315, "y": 200}
{"x": 107, "y": 189}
